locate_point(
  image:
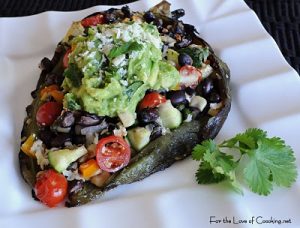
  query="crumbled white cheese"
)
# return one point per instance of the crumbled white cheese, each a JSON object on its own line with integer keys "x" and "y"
{"x": 124, "y": 82}
{"x": 92, "y": 55}
{"x": 163, "y": 129}
{"x": 120, "y": 131}
{"x": 188, "y": 97}
{"x": 118, "y": 60}
{"x": 72, "y": 175}
{"x": 189, "y": 118}
{"x": 41, "y": 156}
{"x": 106, "y": 48}
{"x": 168, "y": 40}
{"x": 133, "y": 55}
{"x": 90, "y": 45}
{"x": 42, "y": 159}
{"x": 37, "y": 146}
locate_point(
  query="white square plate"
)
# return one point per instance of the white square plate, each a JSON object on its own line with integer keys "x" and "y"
{"x": 266, "y": 93}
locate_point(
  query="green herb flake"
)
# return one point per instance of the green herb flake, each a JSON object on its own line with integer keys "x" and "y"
{"x": 74, "y": 74}
{"x": 124, "y": 48}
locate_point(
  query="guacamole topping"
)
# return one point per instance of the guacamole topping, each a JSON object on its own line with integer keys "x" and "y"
{"x": 112, "y": 67}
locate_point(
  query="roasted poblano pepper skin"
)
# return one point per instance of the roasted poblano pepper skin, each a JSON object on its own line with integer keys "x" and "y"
{"x": 158, "y": 154}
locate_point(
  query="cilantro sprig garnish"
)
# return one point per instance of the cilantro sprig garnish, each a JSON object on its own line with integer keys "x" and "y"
{"x": 268, "y": 161}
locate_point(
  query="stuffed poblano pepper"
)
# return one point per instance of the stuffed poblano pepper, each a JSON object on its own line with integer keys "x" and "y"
{"x": 125, "y": 95}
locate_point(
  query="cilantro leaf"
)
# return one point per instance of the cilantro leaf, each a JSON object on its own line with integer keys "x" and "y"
{"x": 198, "y": 54}
{"x": 199, "y": 150}
{"x": 216, "y": 166}
{"x": 70, "y": 102}
{"x": 205, "y": 174}
{"x": 74, "y": 74}
{"x": 272, "y": 161}
{"x": 124, "y": 48}
{"x": 246, "y": 140}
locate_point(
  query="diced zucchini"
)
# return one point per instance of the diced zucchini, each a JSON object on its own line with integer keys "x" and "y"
{"x": 61, "y": 159}
{"x": 206, "y": 70}
{"x": 127, "y": 118}
{"x": 139, "y": 137}
{"x": 171, "y": 117}
{"x": 198, "y": 102}
{"x": 172, "y": 56}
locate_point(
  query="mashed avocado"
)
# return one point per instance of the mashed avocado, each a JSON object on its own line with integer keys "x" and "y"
{"x": 112, "y": 66}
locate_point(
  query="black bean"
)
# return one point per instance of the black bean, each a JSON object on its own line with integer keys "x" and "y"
{"x": 87, "y": 119}
{"x": 46, "y": 136}
{"x": 214, "y": 97}
{"x": 148, "y": 115}
{"x": 111, "y": 127}
{"x": 85, "y": 130}
{"x": 207, "y": 86}
{"x": 149, "y": 16}
{"x": 46, "y": 64}
{"x": 178, "y": 13}
{"x": 79, "y": 139}
{"x": 186, "y": 41}
{"x": 185, "y": 59}
{"x": 67, "y": 119}
{"x": 60, "y": 140}
{"x": 156, "y": 132}
{"x": 110, "y": 18}
{"x": 176, "y": 96}
{"x": 95, "y": 128}
{"x": 126, "y": 11}
{"x": 190, "y": 91}
{"x": 53, "y": 78}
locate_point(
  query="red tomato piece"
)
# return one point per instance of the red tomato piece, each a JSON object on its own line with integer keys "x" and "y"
{"x": 93, "y": 20}
{"x": 112, "y": 153}
{"x": 190, "y": 76}
{"x": 152, "y": 100}
{"x": 66, "y": 58}
{"x": 48, "y": 113}
{"x": 51, "y": 187}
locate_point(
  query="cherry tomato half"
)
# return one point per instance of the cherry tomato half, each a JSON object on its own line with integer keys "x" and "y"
{"x": 51, "y": 187}
{"x": 152, "y": 100}
{"x": 48, "y": 112}
{"x": 66, "y": 58}
{"x": 190, "y": 76}
{"x": 93, "y": 20}
{"x": 112, "y": 153}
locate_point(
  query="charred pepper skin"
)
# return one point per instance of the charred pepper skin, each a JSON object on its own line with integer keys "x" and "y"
{"x": 158, "y": 154}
